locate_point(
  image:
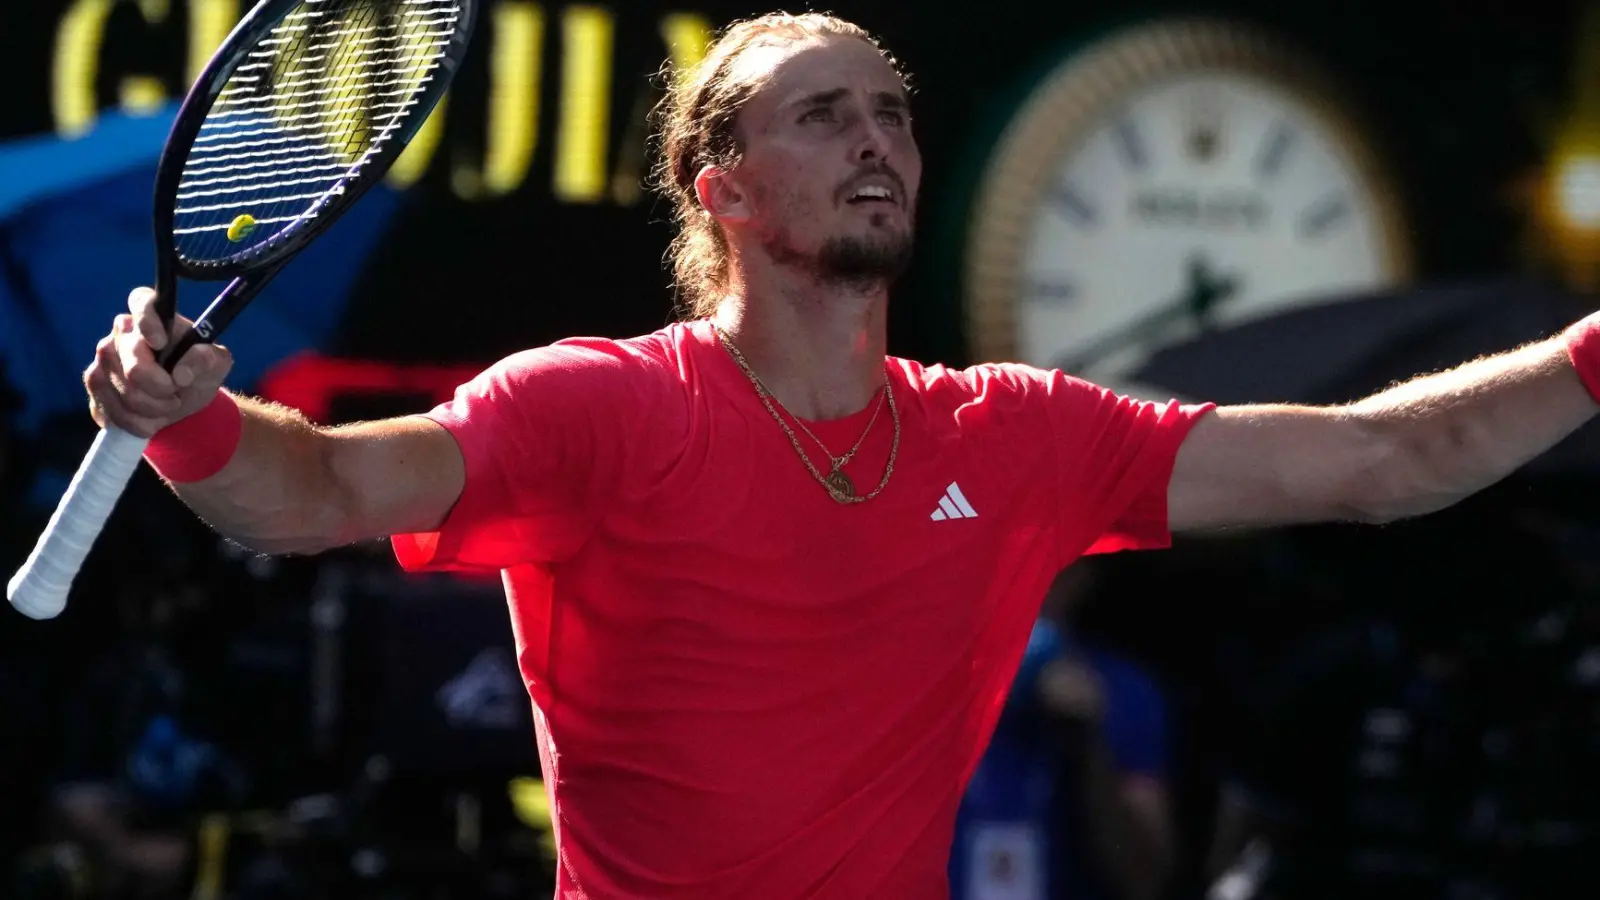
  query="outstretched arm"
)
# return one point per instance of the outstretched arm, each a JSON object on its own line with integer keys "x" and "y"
{"x": 1409, "y": 450}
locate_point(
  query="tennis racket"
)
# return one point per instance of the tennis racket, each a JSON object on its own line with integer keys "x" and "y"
{"x": 304, "y": 107}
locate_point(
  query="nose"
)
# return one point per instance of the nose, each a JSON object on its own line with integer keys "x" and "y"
{"x": 873, "y": 145}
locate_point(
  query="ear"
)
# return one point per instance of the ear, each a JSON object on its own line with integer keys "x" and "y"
{"x": 721, "y": 195}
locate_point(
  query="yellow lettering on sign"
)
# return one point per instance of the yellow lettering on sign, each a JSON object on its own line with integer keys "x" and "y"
{"x": 688, "y": 37}
{"x": 81, "y": 36}
{"x": 585, "y": 166}
{"x": 142, "y": 95}
{"x": 513, "y": 118}
{"x": 77, "y": 65}
{"x": 409, "y": 167}
{"x": 346, "y": 125}
{"x": 209, "y": 24}
{"x": 581, "y": 151}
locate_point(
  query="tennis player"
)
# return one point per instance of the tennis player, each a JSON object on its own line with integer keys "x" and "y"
{"x": 769, "y": 584}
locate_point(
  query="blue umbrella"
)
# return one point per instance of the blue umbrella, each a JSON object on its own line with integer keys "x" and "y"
{"x": 75, "y": 237}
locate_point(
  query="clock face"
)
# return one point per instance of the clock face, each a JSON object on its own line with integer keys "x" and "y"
{"x": 1203, "y": 195}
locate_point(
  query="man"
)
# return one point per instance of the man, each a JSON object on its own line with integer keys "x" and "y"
{"x": 755, "y": 565}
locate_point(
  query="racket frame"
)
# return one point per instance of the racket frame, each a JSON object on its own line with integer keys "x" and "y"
{"x": 40, "y": 587}
{"x": 252, "y": 273}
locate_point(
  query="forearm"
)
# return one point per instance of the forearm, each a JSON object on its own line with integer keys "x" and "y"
{"x": 1446, "y": 436}
{"x": 1131, "y": 845}
{"x": 276, "y": 493}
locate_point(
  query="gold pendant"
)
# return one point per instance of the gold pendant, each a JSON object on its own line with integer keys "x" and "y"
{"x": 840, "y": 487}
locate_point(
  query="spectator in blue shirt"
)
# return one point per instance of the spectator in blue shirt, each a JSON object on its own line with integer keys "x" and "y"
{"x": 1071, "y": 800}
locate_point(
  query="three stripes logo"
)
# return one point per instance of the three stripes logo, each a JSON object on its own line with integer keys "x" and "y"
{"x": 953, "y": 505}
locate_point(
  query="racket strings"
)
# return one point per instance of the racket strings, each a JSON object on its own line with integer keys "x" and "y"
{"x": 299, "y": 119}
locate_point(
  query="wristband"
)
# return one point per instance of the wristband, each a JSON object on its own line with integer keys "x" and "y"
{"x": 198, "y": 445}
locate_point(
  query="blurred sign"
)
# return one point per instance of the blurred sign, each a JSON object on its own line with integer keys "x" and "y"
{"x": 523, "y": 193}
{"x": 123, "y": 52}
{"x": 528, "y": 221}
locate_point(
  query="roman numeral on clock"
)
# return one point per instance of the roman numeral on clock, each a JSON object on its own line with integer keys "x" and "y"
{"x": 1274, "y": 147}
{"x": 1049, "y": 291}
{"x": 1071, "y": 204}
{"x": 1323, "y": 215}
{"x": 1130, "y": 145}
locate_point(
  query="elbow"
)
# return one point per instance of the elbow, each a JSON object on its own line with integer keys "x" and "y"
{"x": 285, "y": 537}
{"x": 299, "y": 544}
{"x": 1397, "y": 472}
{"x": 259, "y": 545}
{"x": 315, "y": 516}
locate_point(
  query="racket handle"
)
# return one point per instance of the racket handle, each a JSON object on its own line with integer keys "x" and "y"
{"x": 39, "y": 589}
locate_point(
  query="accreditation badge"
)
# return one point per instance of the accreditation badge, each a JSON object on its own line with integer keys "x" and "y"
{"x": 1006, "y": 863}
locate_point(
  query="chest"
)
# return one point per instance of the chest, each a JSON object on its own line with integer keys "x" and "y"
{"x": 934, "y": 492}
{"x": 740, "y": 543}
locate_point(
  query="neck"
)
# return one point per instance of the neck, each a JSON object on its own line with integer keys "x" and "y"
{"x": 818, "y": 348}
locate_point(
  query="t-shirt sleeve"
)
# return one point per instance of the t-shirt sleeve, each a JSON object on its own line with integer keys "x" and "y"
{"x": 545, "y": 435}
{"x": 1115, "y": 458}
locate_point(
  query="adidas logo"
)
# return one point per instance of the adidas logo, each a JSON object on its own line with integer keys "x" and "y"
{"x": 953, "y": 505}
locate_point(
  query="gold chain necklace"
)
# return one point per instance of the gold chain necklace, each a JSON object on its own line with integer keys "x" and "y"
{"x": 836, "y": 482}
{"x": 839, "y": 462}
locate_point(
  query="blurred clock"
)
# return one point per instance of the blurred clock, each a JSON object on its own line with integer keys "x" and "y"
{"x": 1175, "y": 176}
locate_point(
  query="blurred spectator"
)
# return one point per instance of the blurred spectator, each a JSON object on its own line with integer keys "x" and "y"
{"x": 1342, "y": 787}
{"x": 22, "y": 706}
{"x": 1071, "y": 799}
{"x": 10, "y": 404}
{"x": 133, "y": 773}
{"x": 1441, "y": 748}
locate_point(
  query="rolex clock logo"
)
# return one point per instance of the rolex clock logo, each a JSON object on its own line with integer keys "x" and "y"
{"x": 1178, "y": 175}
{"x": 1203, "y": 131}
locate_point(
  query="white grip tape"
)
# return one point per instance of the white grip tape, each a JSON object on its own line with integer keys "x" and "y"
{"x": 39, "y": 589}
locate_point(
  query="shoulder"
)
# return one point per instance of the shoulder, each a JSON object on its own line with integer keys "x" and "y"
{"x": 1136, "y": 718}
{"x": 1012, "y": 396}
{"x": 974, "y": 380}
{"x": 1123, "y": 676}
{"x": 1044, "y": 642}
{"x": 600, "y": 374}
{"x": 1044, "y": 646}
{"x": 646, "y": 356}
{"x": 998, "y": 385}
{"x": 603, "y": 384}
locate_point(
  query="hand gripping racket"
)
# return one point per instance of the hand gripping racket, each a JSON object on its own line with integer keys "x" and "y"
{"x": 303, "y": 108}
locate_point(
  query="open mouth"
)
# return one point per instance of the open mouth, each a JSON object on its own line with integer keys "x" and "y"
{"x": 870, "y": 195}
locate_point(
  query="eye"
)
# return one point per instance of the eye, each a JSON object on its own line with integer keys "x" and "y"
{"x": 817, "y": 114}
{"x": 892, "y": 117}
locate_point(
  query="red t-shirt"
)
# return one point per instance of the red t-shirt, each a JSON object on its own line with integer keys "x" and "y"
{"x": 743, "y": 688}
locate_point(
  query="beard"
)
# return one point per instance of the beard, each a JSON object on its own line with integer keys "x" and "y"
{"x": 861, "y": 262}
{"x": 857, "y": 259}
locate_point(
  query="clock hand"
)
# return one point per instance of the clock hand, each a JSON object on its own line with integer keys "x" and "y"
{"x": 1207, "y": 291}
{"x": 1139, "y": 331}
{"x": 1196, "y": 303}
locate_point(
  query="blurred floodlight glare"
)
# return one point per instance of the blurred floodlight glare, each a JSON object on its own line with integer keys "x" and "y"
{"x": 1578, "y": 190}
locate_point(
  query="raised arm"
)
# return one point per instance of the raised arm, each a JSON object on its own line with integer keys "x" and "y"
{"x": 291, "y": 487}
{"x": 1409, "y": 450}
{"x": 286, "y": 486}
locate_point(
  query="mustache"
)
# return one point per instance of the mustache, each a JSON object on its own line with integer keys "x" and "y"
{"x": 873, "y": 171}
